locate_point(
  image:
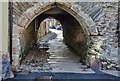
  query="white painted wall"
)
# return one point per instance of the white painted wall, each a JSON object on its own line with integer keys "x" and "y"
{"x": 4, "y": 26}
{"x": 0, "y": 38}
{"x": 3, "y": 30}
{"x": 0, "y": 26}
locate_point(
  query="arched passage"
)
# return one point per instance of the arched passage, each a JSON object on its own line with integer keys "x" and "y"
{"x": 74, "y": 33}
{"x": 45, "y": 26}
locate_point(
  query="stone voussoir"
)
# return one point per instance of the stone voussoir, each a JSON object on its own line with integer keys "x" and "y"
{"x": 17, "y": 29}
{"x": 93, "y": 30}
{"x": 75, "y": 8}
{"x": 66, "y": 4}
{"x": 39, "y": 9}
{"x": 23, "y": 21}
{"x": 36, "y": 9}
{"x": 29, "y": 14}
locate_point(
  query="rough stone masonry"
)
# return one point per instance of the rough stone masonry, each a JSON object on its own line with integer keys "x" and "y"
{"x": 100, "y": 23}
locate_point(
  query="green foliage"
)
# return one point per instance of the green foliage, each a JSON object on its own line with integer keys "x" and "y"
{"x": 22, "y": 55}
{"x": 88, "y": 59}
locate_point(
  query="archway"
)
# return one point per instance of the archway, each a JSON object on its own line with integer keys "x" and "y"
{"x": 46, "y": 26}
{"x": 74, "y": 28}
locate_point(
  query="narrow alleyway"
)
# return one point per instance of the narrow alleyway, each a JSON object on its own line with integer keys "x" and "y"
{"x": 89, "y": 29}
{"x": 61, "y": 59}
{"x": 58, "y": 57}
{"x": 58, "y": 63}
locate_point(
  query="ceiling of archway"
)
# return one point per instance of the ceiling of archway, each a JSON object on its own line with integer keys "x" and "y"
{"x": 55, "y": 11}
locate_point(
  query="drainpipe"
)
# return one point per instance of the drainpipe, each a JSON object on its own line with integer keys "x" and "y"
{"x": 11, "y": 28}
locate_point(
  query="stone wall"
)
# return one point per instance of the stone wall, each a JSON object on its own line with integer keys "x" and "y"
{"x": 28, "y": 40}
{"x": 74, "y": 36}
{"x": 118, "y": 31}
{"x": 97, "y": 19}
{"x": 106, "y": 43}
{"x": 19, "y": 8}
{"x": 41, "y": 31}
{"x": 16, "y": 44}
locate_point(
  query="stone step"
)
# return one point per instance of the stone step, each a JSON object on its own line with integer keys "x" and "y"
{"x": 49, "y": 62}
{"x": 59, "y": 57}
{"x": 63, "y": 60}
{"x": 63, "y": 55}
{"x": 66, "y": 65}
{"x": 73, "y": 70}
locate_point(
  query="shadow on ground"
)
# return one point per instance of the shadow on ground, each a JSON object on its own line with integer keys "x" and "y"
{"x": 64, "y": 77}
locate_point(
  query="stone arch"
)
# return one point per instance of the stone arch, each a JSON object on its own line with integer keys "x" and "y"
{"x": 35, "y": 11}
{"x": 30, "y": 14}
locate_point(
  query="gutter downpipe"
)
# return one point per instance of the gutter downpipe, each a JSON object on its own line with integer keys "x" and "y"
{"x": 11, "y": 28}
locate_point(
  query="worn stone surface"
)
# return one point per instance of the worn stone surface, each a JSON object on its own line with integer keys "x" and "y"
{"x": 16, "y": 41}
{"x": 26, "y": 42}
{"x": 34, "y": 61}
{"x": 23, "y": 21}
{"x": 106, "y": 22}
{"x": 17, "y": 29}
{"x": 29, "y": 13}
{"x": 16, "y": 60}
{"x": 58, "y": 58}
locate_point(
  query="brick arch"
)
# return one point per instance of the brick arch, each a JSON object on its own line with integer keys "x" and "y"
{"x": 29, "y": 15}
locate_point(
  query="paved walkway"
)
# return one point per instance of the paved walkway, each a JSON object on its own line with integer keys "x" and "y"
{"x": 43, "y": 42}
{"x": 61, "y": 59}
